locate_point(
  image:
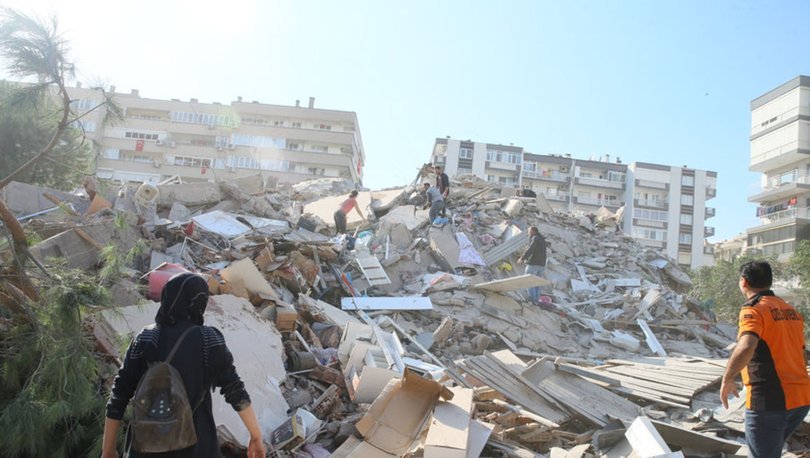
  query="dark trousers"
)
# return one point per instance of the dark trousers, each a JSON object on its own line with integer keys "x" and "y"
{"x": 767, "y": 430}
{"x": 340, "y": 222}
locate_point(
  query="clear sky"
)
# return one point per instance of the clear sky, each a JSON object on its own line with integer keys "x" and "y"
{"x": 657, "y": 81}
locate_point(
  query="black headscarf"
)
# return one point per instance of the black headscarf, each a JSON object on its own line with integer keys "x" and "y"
{"x": 184, "y": 298}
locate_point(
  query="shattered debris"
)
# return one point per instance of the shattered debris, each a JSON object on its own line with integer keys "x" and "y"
{"x": 407, "y": 337}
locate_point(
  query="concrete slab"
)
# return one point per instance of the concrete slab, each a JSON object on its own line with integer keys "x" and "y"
{"x": 384, "y": 200}
{"x": 254, "y": 342}
{"x": 409, "y": 215}
{"x": 325, "y": 208}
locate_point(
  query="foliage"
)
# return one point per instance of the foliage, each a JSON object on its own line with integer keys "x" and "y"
{"x": 798, "y": 267}
{"x": 26, "y": 130}
{"x": 717, "y": 286}
{"x": 49, "y": 380}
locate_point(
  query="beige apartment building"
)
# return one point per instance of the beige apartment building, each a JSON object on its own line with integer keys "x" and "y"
{"x": 664, "y": 206}
{"x": 780, "y": 150}
{"x": 160, "y": 139}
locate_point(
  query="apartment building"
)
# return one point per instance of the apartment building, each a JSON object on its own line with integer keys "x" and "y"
{"x": 667, "y": 209}
{"x": 780, "y": 151}
{"x": 160, "y": 139}
{"x": 664, "y": 206}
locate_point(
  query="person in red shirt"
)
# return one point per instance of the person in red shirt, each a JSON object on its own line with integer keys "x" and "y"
{"x": 770, "y": 356}
{"x": 345, "y": 207}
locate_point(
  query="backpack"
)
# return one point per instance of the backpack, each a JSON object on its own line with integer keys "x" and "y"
{"x": 161, "y": 414}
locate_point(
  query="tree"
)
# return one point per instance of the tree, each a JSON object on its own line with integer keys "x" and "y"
{"x": 798, "y": 267}
{"x": 25, "y": 129}
{"x": 50, "y": 400}
{"x": 717, "y": 286}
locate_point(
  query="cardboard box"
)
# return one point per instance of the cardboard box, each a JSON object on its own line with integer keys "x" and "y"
{"x": 397, "y": 417}
{"x": 286, "y": 316}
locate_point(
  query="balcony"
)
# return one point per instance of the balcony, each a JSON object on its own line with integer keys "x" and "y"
{"x": 785, "y": 216}
{"x": 652, "y": 243}
{"x": 777, "y": 189}
{"x": 779, "y": 157}
{"x": 708, "y": 231}
{"x": 711, "y": 192}
{"x": 651, "y": 184}
{"x": 708, "y": 249}
{"x": 710, "y": 212}
{"x": 651, "y": 203}
{"x": 558, "y": 196}
{"x": 598, "y": 202}
{"x": 599, "y": 183}
{"x": 547, "y": 176}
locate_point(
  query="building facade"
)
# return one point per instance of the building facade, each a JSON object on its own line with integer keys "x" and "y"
{"x": 664, "y": 206}
{"x": 780, "y": 151}
{"x": 160, "y": 139}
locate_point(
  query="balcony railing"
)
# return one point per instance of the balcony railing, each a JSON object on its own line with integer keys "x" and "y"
{"x": 710, "y": 212}
{"x": 651, "y": 184}
{"x": 711, "y": 192}
{"x": 651, "y": 203}
{"x": 599, "y": 202}
{"x": 790, "y": 213}
{"x": 600, "y": 182}
{"x": 545, "y": 175}
{"x": 776, "y": 152}
{"x": 558, "y": 196}
{"x": 777, "y": 182}
{"x": 708, "y": 231}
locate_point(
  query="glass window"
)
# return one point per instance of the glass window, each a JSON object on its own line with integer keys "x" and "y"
{"x": 685, "y": 237}
{"x": 466, "y": 153}
{"x": 687, "y": 180}
{"x": 687, "y": 199}
{"x": 686, "y": 218}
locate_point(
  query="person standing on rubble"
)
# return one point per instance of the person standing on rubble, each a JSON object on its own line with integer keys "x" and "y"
{"x": 770, "y": 355}
{"x": 535, "y": 259}
{"x": 203, "y": 360}
{"x": 434, "y": 200}
{"x": 345, "y": 207}
{"x": 443, "y": 184}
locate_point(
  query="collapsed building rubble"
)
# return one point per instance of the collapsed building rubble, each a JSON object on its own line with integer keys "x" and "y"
{"x": 412, "y": 338}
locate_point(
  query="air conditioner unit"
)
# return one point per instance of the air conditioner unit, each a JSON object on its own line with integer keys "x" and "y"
{"x": 172, "y": 144}
{"x": 564, "y": 168}
{"x": 159, "y": 142}
{"x": 231, "y": 146}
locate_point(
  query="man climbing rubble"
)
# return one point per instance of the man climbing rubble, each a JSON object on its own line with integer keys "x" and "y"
{"x": 770, "y": 355}
{"x": 535, "y": 259}
{"x": 435, "y": 201}
{"x": 443, "y": 183}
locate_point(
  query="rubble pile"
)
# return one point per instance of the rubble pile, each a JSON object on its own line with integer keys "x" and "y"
{"x": 411, "y": 337}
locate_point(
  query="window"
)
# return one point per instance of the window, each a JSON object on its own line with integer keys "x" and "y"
{"x": 686, "y": 218}
{"x": 140, "y": 135}
{"x": 320, "y": 148}
{"x": 466, "y": 153}
{"x": 190, "y": 161}
{"x": 687, "y": 180}
{"x": 111, "y": 153}
{"x": 278, "y": 123}
{"x": 255, "y": 121}
{"x": 649, "y": 234}
{"x": 685, "y": 237}
{"x": 208, "y": 119}
{"x": 294, "y": 146}
{"x": 322, "y": 126}
{"x": 687, "y": 199}
{"x": 530, "y": 166}
{"x": 82, "y": 105}
{"x": 296, "y": 125}
{"x": 652, "y": 215}
{"x": 258, "y": 141}
{"x": 88, "y": 126}
{"x": 615, "y": 176}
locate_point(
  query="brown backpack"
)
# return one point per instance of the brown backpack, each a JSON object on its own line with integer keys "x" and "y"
{"x": 162, "y": 418}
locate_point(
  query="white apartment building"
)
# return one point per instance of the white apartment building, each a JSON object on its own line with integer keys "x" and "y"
{"x": 780, "y": 150}
{"x": 664, "y": 206}
{"x": 668, "y": 210}
{"x": 159, "y": 139}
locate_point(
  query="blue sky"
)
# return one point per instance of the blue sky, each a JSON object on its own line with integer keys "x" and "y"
{"x": 657, "y": 81}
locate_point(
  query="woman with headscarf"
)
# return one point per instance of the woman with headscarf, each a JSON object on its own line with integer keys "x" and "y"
{"x": 203, "y": 361}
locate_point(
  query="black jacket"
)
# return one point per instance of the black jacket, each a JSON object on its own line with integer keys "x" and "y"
{"x": 536, "y": 253}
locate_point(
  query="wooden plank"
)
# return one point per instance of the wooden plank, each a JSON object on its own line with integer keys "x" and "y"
{"x": 386, "y": 303}
{"x": 513, "y": 283}
{"x": 506, "y": 248}
{"x": 693, "y": 440}
{"x": 645, "y": 439}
